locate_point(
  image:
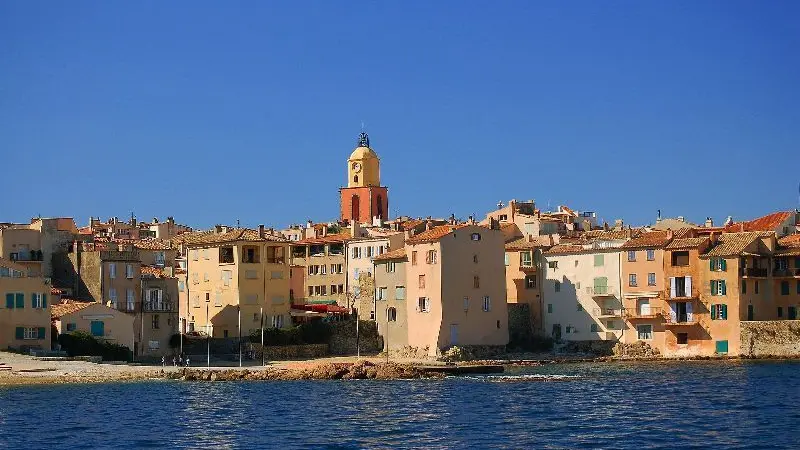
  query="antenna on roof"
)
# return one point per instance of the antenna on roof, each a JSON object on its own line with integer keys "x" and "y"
{"x": 237, "y": 223}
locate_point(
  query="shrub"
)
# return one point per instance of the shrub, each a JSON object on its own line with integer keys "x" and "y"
{"x": 84, "y": 344}
{"x": 315, "y": 332}
{"x": 175, "y": 341}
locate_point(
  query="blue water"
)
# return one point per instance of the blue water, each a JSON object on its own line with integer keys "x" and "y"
{"x": 616, "y": 406}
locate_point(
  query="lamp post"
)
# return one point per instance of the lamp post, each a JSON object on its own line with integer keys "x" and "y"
{"x": 239, "y": 312}
{"x": 208, "y": 336}
{"x": 263, "y": 361}
{"x": 354, "y": 296}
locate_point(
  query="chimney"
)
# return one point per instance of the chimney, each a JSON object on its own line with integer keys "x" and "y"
{"x": 471, "y": 220}
{"x": 618, "y": 224}
{"x": 681, "y": 218}
{"x": 261, "y": 231}
{"x": 217, "y": 228}
{"x": 324, "y": 230}
{"x": 155, "y": 220}
{"x": 133, "y": 222}
{"x": 741, "y": 227}
{"x": 713, "y": 237}
{"x": 670, "y": 234}
{"x": 309, "y": 224}
{"x": 452, "y": 220}
{"x": 428, "y": 225}
{"x": 709, "y": 222}
{"x": 271, "y": 231}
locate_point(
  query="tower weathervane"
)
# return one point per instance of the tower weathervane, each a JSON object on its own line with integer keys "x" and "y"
{"x": 363, "y": 140}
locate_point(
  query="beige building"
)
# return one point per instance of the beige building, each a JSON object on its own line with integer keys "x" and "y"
{"x": 233, "y": 271}
{"x": 25, "y": 309}
{"x": 33, "y": 245}
{"x": 523, "y": 276}
{"x": 96, "y": 319}
{"x": 324, "y": 262}
{"x": 391, "y": 303}
{"x": 361, "y": 250}
{"x": 456, "y": 288}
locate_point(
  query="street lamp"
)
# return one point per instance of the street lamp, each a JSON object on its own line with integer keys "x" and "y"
{"x": 352, "y": 297}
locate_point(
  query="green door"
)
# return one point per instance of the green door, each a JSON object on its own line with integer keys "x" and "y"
{"x": 98, "y": 328}
{"x": 722, "y": 347}
{"x": 749, "y": 312}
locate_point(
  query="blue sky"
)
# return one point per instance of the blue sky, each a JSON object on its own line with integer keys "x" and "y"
{"x": 247, "y": 111}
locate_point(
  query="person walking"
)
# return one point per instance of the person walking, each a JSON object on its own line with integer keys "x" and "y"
{"x": 174, "y": 362}
{"x": 187, "y": 361}
{"x": 163, "y": 361}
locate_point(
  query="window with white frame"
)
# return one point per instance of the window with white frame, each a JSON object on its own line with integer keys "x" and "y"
{"x": 644, "y": 332}
{"x": 369, "y": 251}
{"x": 430, "y": 257}
{"x": 631, "y": 255}
{"x": 632, "y": 280}
{"x": 423, "y": 304}
{"x": 128, "y": 271}
{"x": 391, "y": 267}
{"x": 218, "y": 299}
{"x": 399, "y": 292}
{"x": 381, "y": 294}
{"x": 526, "y": 259}
{"x": 112, "y": 295}
{"x": 487, "y": 303}
{"x": 227, "y": 275}
{"x": 391, "y": 314}
{"x": 651, "y": 254}
{"x": 160, "y": 258}
{"x": 112, "y": 270}
{"x": 31, "y": 333}
{"x": 130, "y": 299}
{"x": 205, "y": 276}
{"x": 38, "y": 300}
{"x": 651, "y": 279}
{"x": 277, "y": 321}
{"x": 466, "y": 304}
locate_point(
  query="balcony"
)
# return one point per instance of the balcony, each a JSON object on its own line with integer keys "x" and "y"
{"x": 31, "y": 256}
{"x": 162, "y": 306}
{"x": 115, "y": 255}
{"x": 784, "y": 273}
{"x": 753, "y": 272}
{"x": 643, "y": 313}
{"x": 607, "y": 313}
{"x": 600, "y": 291}
{"x": 527, "y": 267}
{"x": 680, "y": 320}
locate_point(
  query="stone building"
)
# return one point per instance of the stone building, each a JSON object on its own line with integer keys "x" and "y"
{"x": 391, "y": 303}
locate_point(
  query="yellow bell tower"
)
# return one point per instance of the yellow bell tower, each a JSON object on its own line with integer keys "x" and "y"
{"x": 363, "y": 166}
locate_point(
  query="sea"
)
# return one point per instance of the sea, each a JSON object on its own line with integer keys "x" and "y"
{"x": 637, "y": 405}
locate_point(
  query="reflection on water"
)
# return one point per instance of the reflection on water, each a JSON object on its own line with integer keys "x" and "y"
{"x": 636, "y": 405}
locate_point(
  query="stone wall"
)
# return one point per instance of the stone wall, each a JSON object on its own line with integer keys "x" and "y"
{"x": 282, "y": 352}
{"x": 770, "y": 338}
{"x": 343, "y": 339}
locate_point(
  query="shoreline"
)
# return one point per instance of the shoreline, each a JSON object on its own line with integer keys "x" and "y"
{"x": 33, "y": 372}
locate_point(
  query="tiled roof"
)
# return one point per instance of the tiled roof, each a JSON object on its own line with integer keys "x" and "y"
{"x": 792, "y": 240}
{"x": 56, "y": 291}
{"x": 412, "y": 223}
{"x": 14, "y": 266}
{"x": 684, "y": 232}
{"x": 434, "y": 234}
{"x": 153, "y": 244}
{"x": 525, "y": 243}
{"x": 399, "y": 253}
{"x": 685, "y": 243}
{"x": 565, "y": 248}
{"x": 157, "y": 272}
{"x": 610, "y": 235}
{"x": 770, "y": 222}
{"x": 68, "y": 307}
{"x": 790, "y": 251}
{"x": 337, "y": 238}
{"x": 649, "y": 239}
{"x": 235, "y": 235}
{"x": 731, "y": 244}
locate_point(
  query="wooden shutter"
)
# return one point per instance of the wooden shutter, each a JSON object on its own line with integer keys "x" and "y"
{"x": 689, "y": 315}
{"x": 44, "y": 300}
{"x": 713, "y": 312}
{"x": 672, "y": 313}
{"x": 20, "y": 300}
{"x": 711, "y": 264}
{"x": 20, "y": 333}
{"x": 724, "y": 264}
{"x": 672, "y": 289}
{"x": 724, "y": 311}
{"x": 42, "y": 332}
{"x": 33, "y": 300}
{"x": 688, "y": 286}
{"x": 724, "y": 289}
{"x": 10, "y": 301}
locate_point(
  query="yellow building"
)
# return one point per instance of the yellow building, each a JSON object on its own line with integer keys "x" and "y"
{"x": 25, "y": 309}
{"x": 456, "y": 288}
{"x": 231, "y": 271}
{"x": 96, "y": 319}
{"x": 522, "y": 277}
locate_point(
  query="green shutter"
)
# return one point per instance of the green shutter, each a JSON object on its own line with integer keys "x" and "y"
{"x": 10, "y": 301}
{"x": 713, "y": 312}
{"x": 722, "y": 346}
{"x": 33, "y": 300}
{"x": 713, "y": 287}
{"x": 724, "y": 289}
{"x": 44, "y": 300}
{"x": 724, "y": 311}
{"x": 20, "y": 300}
{"x": 20, "y": 333}
{"x": 711, "y": 264}
{"x": 724, "y": 265}
{"x": 41, "y": 333}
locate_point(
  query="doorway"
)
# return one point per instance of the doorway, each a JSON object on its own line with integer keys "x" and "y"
{"x": 453, "y": 334}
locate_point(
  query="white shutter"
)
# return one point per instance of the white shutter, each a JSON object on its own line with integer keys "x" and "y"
{"x": 672, "y": 313}
{"x": 672, "y": 290}
{"x": 688, "y": 286}
{"x": 688, "y": 311}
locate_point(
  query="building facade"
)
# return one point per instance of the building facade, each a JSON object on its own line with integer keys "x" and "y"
{"x": 391, "y": 302}
{"x": 98, "y": 320}
{"x": 25, "y": 308}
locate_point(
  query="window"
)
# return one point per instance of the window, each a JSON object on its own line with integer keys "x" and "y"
{"x": 399, "y": 292}
{"x": 476, "y": 282}
{"x": 421, "y": 282}
{"x": 356, "y": 252}
{"x": 526, "y": 259}
{"x": 226, "y": 277}
{"x": 557, "y": 286}
{"x": 112, "y": 295}
{"x": 598, "y": 260}
{"x": 276, "y": 275}
{"x": 381, "y": 293}
{"x": 632, "y": 280}
{"x": 250, "y": 274}
{"x": 310, "y": 291}
{"x": 466, "y": 304}
{"x": 651, "y": 279}
{"x": 530, "y": 282}
{"x": 391, "y": 315}
{"x": 130, "y": 299}
{"x": 275, "y": 255}
{"x": 780, "y": 312}
{"x": 792, "y": 313}
{"x": 475, "y": 237}
{"x": 205, "y": 254}
{"x": 323, "y": 290}
{"x": 277, "y": 321}
{"x": 155, "y": 321}
{"x": 72, "y": 326}
{"x": 32, "y": 333}
{"x": 225, "y": 255}
{"x": 218, "y": 299}
{"x": 644, "y": 332}
{"x": 196, "y": 302}
{"x": 37, "y": 300}
{"x": 719, "y": 312}
{"x": 250, "y": 255}
{"x": 683, "y": 338}
{"x": 97, "y": 328}
{"x": 505, "y": 259}
{"x": 128, "y": 271}
{"x": 205, "y": 276}
{"x": 594, "y": 328}
{"x": 549, "y": 308}
{"x": 552, "y": 264}
{"x": 744, "y": 286}
{"x": 718, "y": 287}
{"x": 195, "y": 278}
{"x": 717, "y": 264}
{"x": 784, "y": 288}
{"x": 160, "y": 258}
{"x": 181, "y": 286}
{"x": 651, "y": 254}
{"x": 475, "y": 258}
{"x": 369, "y": 251}
{"x": 414, "y": 258}
{"x": 487, "y": 304}
{"x": 756, "y": 285}
{"x": 631, "y": 255}
{"x": 112, "y": 271}
{"x": 430, "y": 257}
{"x": 194, "y": 255}
{"x": 391, "y": 267}
{"x": 680, "y": 258}
{"x": 424, "y": 304}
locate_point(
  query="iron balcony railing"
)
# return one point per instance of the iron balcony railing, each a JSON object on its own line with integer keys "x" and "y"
{"x": 162, "y": 306}
{"x": 753, "y": 272}
{"x": 643, "y": 313}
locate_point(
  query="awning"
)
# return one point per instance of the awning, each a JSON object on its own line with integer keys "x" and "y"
{"x": 321, "y": 302}
{"x": 303, "y": 313}
{"x": 320, "y": 308}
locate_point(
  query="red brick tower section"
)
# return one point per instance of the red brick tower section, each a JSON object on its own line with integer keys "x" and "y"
{"x": 364, "y": 203}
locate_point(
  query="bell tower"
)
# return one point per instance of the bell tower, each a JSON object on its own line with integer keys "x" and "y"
{"x": 364, "y": 199}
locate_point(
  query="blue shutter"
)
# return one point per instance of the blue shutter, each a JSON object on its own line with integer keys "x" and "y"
{"x": 20, "y": 333}
{"x": 41, "y": 333}
{"x": 724, "y": 264}
{"x": 724, "y": 289}
{"x": 44, "y": 300}
{"x": 33, "y": 300}
{"x": 20, "y": 300}
{"x": 722, "y": 347}
{"x": 10, "y": 301}
{"x": 724, "y": 311}
{"x": 711, "y": 264}
{"x": 713, "y": 312}
{"x": 713, "y": 287}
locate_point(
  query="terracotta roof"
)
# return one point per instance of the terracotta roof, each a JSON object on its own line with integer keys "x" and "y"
{"x": 770, "y": 222}
{"x": 85, "y": 230}
{"x": 12, "y": 265}
{"x": 434, "y": 234}
{"x": 791, "y": 251}
{"x": 525, "y": 243}
{"x": 56, "y": 291}
{"x": 153, "y": 244}
{"x": 565, "y": 248}
{"x": 609, "y": 235}
{"x": 235, "y": 235}
{"x": 157, "y": 272}
{"x": 399, "y": 253}
{"x": 69, "y": 307}
{"x": 684, "y": 232}
{"x": 409, "y": 224}
{"x": 792, "y": 240}
{"x": 649, "y": 239}
{"x": 685, "y": 243}
{"x": 337, "y": 238}
{"x": 731, "y": 244}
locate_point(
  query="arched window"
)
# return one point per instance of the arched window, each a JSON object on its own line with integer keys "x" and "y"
{"x": 391, "y": 315}
{"x": 355, "y": 208}
{"x": 380, "y": 207}
{"x": 355, "y": 179}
